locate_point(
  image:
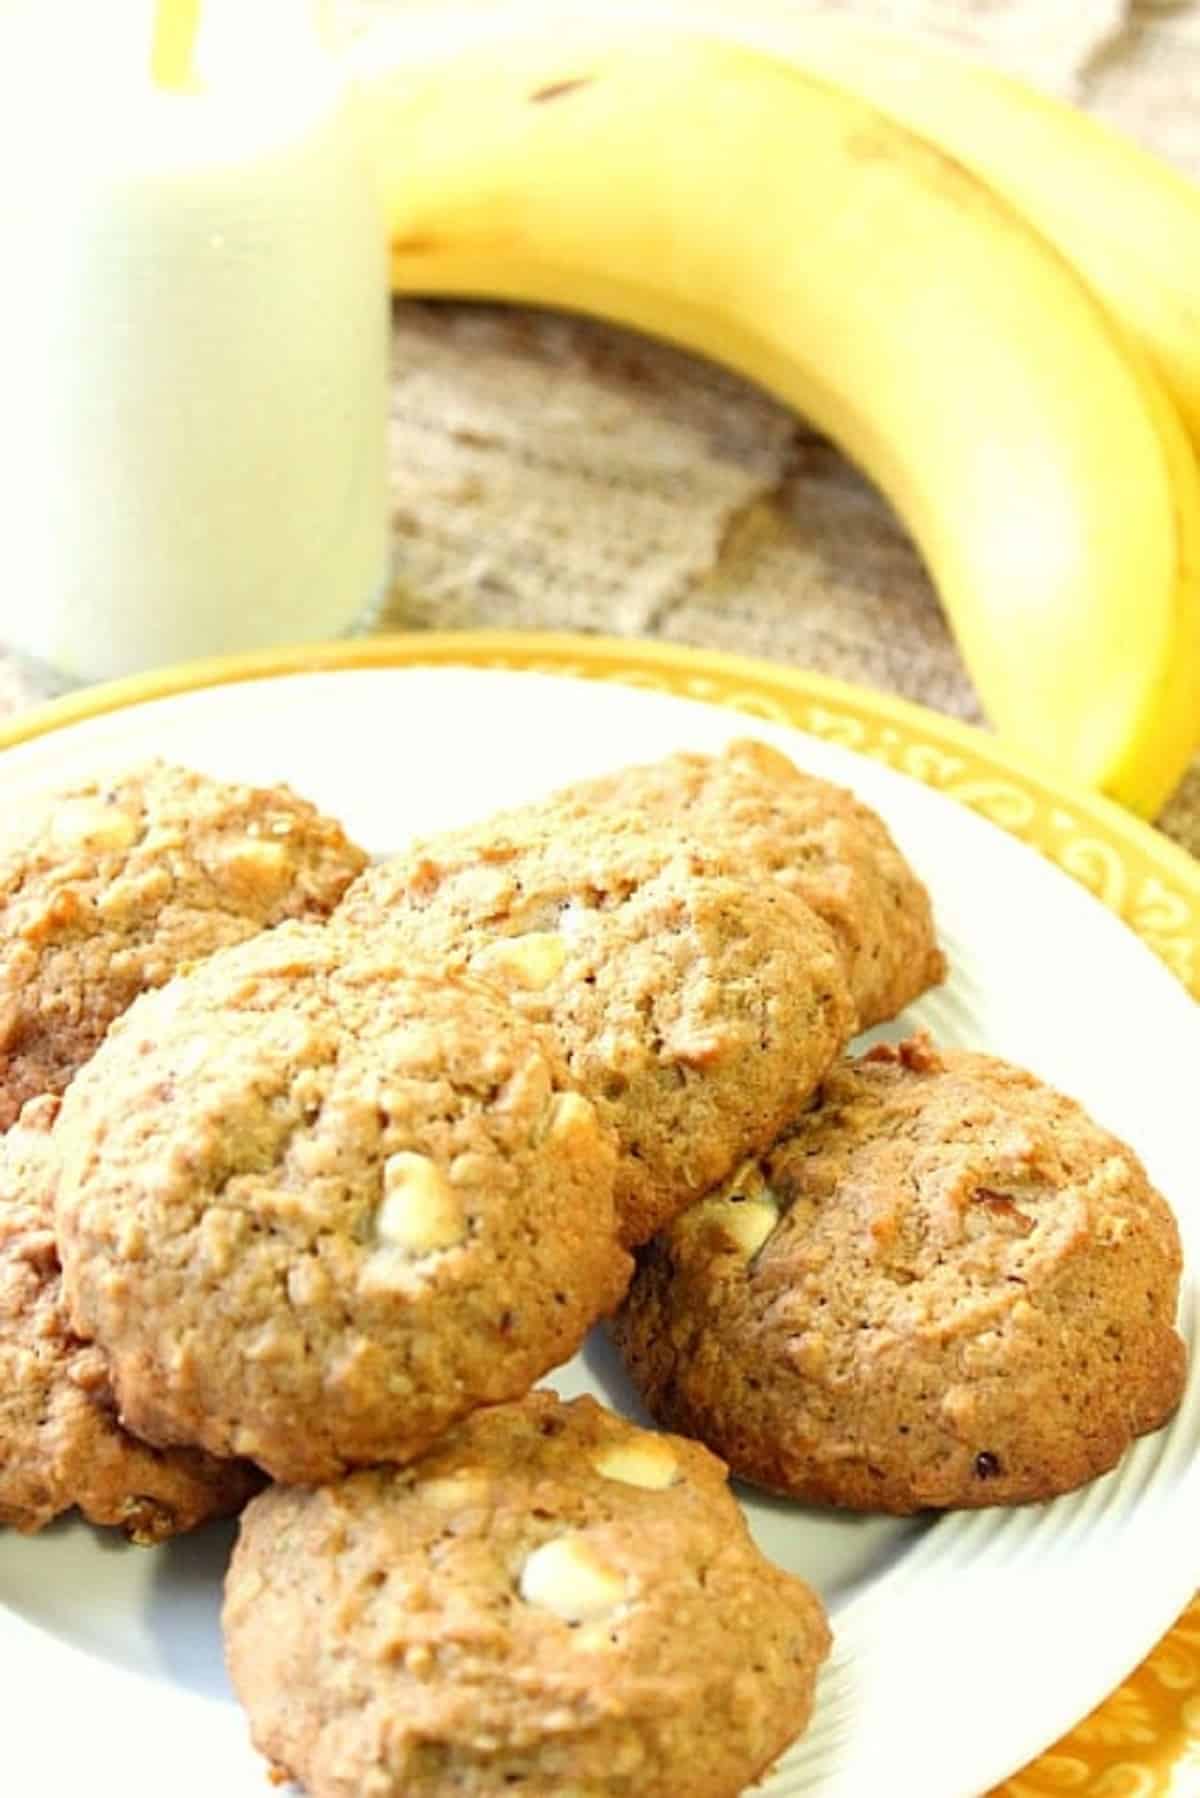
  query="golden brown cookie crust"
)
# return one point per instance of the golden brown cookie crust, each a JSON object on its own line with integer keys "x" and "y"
{"x": 61, "y": 1445}
{"x": 316, "y": 1205}
{"x": 551, "y": 1602}
{"x": 944, "y": 1286}
{"x": 755, "y": 809}
{"x": 695, "y": 1010}
{"x": 109, "y": 886}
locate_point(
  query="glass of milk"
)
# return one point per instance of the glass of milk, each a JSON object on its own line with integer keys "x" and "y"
{"x": 193, "y": 354}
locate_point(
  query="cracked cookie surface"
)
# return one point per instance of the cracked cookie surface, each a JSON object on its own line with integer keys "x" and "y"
{"x": 108, "y": 886}
{"x": 551, "y": 1601}
{"x": 943, "y": 1286}
{"x": 696, "y": 1011}
{"x": 61, "y": 1444}
{"x": 316, "y": 1205}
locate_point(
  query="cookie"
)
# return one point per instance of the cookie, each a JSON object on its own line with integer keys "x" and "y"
{"x": 552, "y": 1602}
{"x": 696, "y": 1011}
{"x": 754, "y": 807}
{"x": 61, "y": 1445}
{"x": 943, "y": 1286}
{"x": 315, "y": 1205}
{"x": 109, "y": 886}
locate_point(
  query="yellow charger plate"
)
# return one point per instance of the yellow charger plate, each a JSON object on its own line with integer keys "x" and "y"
{"x": 1144, "y": 1740}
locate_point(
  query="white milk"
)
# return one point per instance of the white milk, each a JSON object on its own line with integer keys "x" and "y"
{"x": 193, "y": 368}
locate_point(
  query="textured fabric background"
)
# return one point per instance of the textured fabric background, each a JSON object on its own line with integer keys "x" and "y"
{"x": 558, "y": 474}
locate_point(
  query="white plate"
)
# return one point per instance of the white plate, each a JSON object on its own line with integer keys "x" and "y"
{"x": 963, "y": 1646}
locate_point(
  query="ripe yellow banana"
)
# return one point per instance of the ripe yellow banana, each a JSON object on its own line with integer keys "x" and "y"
{"x": 1128, "y": 221}
{"x": 734, "y": 204}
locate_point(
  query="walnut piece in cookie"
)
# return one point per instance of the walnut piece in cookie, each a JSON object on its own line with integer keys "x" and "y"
{"x": 316, "y": 1205}
{"x": 696, "y": 1011}
{"x": 551, "y": 1601}
{"x": 61, "y": 1444}
{"x": 756, "y": 810}
{"x": 109, "y": 886}
{"x": 943, "y": 1286}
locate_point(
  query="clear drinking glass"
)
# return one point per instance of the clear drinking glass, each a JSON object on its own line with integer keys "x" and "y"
{"x": 193, "y": 359}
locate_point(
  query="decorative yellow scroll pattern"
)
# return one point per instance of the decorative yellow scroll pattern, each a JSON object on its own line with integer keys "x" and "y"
{"x": 1142, "y": 1742}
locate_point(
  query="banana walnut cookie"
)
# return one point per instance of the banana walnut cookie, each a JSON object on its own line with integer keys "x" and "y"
{"x": 315, "y": 1205}
{"x": 551, "y": 1602}
{"x": 108, "y": 886}
{"x": 943, "y": 1286}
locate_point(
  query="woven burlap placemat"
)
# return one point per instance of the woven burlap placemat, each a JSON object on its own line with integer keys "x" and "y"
{"x": 553, "y": 473}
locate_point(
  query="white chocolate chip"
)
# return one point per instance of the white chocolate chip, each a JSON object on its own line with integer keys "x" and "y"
{"x": 254, "y": 859}
{"x": 569, "y": 1113}
{"x": 572, "y": 921}
{"x": 568, "y": 1578}
{"x": 533, "y": 959}
{"x": 90, "y": 824}
{"x": 745, "y": 1213}
{"x": 749, "y": 1222}
{"x": 641, "y": 1460}
{"x": 420, "y": 1212}
{"x": 453, "y": 1491}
